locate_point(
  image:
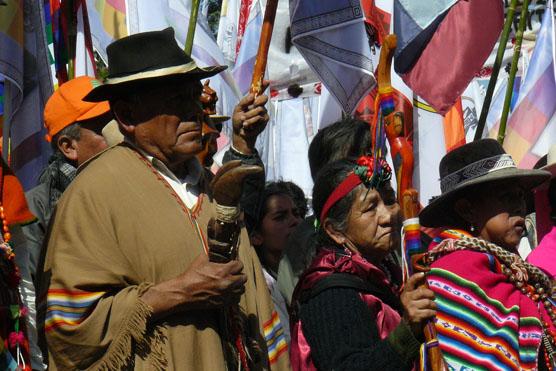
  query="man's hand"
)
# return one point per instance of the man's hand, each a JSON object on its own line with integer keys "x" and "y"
{"x": 204, "y": 285}
{"x": 418, "y": 304}
{"x": 249, "y": 120}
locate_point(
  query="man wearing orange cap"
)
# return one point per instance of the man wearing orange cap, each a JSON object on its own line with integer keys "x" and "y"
{"x": 74, "y": 130}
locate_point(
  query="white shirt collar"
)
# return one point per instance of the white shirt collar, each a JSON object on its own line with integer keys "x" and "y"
{"x": 193, "y": 167}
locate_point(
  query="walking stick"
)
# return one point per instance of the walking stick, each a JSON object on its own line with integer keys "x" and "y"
{"x": 223, "y": 234}
{"x": 431, "y": 357}
{"x": 264, "y": 45}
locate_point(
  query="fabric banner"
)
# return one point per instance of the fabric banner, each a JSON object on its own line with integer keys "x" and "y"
{"x": 428, "y": 149}
{"x": 25, "y": 67}
{"x": 456, "y": 52}
{"x": 84, "y": 57}
{"x": 247, "y": 44}
{"x": 285, "y": 143}
{"x": 416, "y": 22}
{"x": 107, "y": 19}
{"x": 332, "y": 38}
{"x": 529, "y": 134}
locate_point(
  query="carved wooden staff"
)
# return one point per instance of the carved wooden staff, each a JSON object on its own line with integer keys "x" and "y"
{"x": 409, "y": 197}
{"x": 264, "y": 45}
{"x": 223, "y": 233}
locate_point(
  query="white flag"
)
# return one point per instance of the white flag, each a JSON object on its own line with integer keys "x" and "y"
{"x": 331, "y": 37}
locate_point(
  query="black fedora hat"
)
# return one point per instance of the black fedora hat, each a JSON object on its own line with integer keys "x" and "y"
{"x": 144, "y": 58}
{"x": 479, "y": 162}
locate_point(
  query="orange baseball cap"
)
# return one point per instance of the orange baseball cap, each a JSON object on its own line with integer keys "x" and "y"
{"x": 66, "y": 105}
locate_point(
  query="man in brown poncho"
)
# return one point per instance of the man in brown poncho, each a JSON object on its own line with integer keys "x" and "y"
{"x": 129, "y": 282}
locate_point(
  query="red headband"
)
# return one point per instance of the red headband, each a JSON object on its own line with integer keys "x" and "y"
{"x": 367, "y": 170}
{"x": 347, "y": 185}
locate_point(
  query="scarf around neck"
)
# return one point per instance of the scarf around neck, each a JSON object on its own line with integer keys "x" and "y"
{"x": 58, "y": 175}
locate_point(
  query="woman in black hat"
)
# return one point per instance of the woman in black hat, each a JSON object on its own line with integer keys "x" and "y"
{"x": 347, "y": 312}
{"x": 494, "y": 309}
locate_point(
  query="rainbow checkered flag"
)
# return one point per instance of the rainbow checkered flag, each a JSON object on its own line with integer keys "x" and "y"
{"x": 531, "y": 127}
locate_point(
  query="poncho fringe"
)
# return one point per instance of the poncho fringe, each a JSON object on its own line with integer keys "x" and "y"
{"x": 134, "y": 329}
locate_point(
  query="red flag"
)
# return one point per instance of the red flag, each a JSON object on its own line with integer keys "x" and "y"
{"x": 456, "y": 52}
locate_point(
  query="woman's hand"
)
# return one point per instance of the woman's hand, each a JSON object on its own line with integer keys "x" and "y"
{"x": 418, "y": 304}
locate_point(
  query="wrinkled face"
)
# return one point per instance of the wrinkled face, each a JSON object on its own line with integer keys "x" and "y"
{"x": 91, "y": 141}
{"x": 279, "y": 222}
{"x": 500, "y": 213}
{"x": 374, "y": 222}
{"x": 167, "y": 122}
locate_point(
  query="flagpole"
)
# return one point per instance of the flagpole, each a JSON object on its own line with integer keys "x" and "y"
{"x": 264, "y": 45}
{"x": 191, "y": 28}
{"x": 496, "y": 70}
{"x": 513, "y": 71}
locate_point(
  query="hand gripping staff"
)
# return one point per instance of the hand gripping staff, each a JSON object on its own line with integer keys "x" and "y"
{"x": 223, "y": 237}
{"x": 402, "y": 157}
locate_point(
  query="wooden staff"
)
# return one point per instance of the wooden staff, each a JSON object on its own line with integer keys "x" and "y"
{"x": 264, "y": 45}
{"x": 410, "y": 198}
{"x": 410, "y": 209}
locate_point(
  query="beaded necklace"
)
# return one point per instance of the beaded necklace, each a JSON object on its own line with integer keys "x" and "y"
{"x": 12, "y": 310}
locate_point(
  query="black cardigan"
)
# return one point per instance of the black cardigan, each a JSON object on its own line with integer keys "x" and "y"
{"x": 342, "y": 333}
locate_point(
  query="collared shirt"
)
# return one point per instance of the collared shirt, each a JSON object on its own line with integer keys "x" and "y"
{"x": 187, "y": 188}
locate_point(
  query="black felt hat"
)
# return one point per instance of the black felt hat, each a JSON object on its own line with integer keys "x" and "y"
{"x": 480, "y": 162}
{"x": 145, "y": 58}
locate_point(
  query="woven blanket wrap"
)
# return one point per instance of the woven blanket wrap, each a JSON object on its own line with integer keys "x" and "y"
{"x": 484, "y": 322}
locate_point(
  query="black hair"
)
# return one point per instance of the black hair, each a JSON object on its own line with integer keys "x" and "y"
{"x": 280, "y": 188}
{"x": 72, "y": 131}
{"x": 299, "y": 199}
{"x": 327, "y": 181}
{"x": 348, "y": 137}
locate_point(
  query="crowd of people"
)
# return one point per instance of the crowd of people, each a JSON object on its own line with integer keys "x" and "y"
{"x": 131, "y": 254}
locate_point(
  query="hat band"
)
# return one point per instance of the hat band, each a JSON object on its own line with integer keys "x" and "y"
{"x": 165, "y": 71}
{"x": 475, "y": 170}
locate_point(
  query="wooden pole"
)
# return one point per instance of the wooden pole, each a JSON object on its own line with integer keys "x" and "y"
{"x": 496, "y": 69}
{"x": 264, "y": 45}
{"x": 513, "y": 71}
{"x": 191, "y": 28}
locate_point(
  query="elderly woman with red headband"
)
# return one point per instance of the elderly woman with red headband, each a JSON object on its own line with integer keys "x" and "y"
{"x": 347, "y": 313}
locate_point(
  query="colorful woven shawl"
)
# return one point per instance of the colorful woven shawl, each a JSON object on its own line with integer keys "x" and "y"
{"x": 483, "y": 320}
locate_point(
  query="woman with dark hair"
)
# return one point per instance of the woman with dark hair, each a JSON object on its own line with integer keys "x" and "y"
{"x": 495, "y": 311}
{"x": 346, "y": 309}
{"x": 282, "y": 209}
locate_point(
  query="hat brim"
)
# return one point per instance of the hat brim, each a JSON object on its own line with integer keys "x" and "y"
{"x": 118, "y": 86}
{"x": 98, "y": 110}
{"x": 440, "y": 211}
{"x": 551, "y": 168}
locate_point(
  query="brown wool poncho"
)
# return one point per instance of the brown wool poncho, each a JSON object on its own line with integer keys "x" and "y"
{"x": 117, "y": 231}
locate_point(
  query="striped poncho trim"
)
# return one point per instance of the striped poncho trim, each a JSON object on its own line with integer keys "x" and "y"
{"x": 475, "y": 330}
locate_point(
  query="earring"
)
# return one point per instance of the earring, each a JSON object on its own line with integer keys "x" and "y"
{"x": 472, "y": 228}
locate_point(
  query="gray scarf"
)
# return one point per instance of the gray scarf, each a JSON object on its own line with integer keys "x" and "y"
{"x": 58, "y": 175}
